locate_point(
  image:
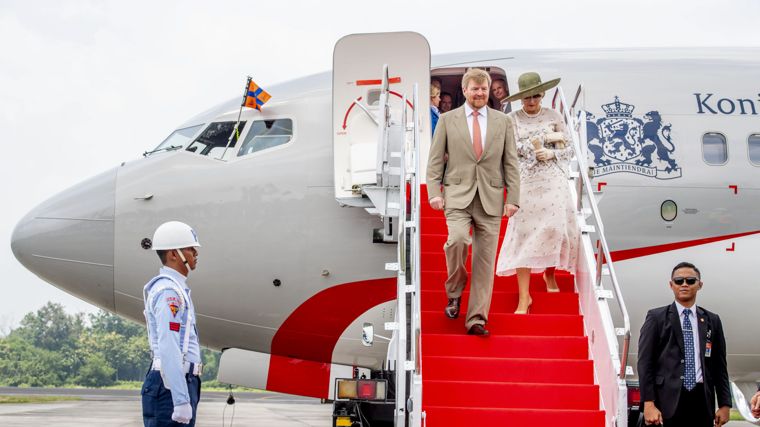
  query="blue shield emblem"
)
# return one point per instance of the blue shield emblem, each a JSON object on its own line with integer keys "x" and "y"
{"x": 621, "y": 142}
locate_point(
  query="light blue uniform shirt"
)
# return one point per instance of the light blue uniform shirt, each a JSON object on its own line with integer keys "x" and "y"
{"x": 166, "y": 323}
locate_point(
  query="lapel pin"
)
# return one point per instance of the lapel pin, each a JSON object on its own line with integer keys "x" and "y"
{"x": 702, "y": 319}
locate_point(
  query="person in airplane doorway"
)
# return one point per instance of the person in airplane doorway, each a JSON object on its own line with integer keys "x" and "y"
{"x": 482, "y": 161}
{"x": 172, "y": 387}
{"x": 435, "y": 81}
{"x": 446, "y": 103}
{"x": 435, "y": 99}
{"x": 501, "y": 91}
{"x": 682, "y": 359}
{"x": 543, "y": 235}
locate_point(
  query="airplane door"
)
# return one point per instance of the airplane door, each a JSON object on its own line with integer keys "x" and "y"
{"x": 358, "y": 62}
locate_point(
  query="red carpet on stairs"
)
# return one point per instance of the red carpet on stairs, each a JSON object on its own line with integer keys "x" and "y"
{"x": 532, "y": 370}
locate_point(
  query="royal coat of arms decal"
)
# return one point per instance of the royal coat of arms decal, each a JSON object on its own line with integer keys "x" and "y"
{"x": 620, "y": 142}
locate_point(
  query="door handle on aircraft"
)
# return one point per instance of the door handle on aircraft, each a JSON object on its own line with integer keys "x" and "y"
{"x": 147, "y": 196}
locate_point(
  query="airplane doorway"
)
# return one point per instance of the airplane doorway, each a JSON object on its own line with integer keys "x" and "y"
{"x": 451, "y": 86}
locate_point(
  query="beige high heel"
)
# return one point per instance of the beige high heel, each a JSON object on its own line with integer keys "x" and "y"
{"x": 525, "y": 311}
{"x": 548, "y": 289}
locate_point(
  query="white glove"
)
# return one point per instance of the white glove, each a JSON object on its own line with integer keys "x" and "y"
{"x": 544, "y": 154}
{"x": 183, "y": 413}
{"x": 555, "y": 137}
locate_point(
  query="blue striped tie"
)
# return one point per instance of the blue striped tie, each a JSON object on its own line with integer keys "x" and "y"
{"x": 690, "y": 375}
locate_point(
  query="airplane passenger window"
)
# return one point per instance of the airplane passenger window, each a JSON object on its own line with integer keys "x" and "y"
{"x": 178, "y": 138}
{"x": 213, "y": 141}
{"x": 266, "y": 134}
{"x": 753, "y": 143}
{"x": 714, "y": 148}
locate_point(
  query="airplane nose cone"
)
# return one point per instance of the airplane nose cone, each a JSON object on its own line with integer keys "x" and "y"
{"x": 68, "y": 240}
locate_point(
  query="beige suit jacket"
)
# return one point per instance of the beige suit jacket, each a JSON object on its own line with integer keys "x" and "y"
{"x": 496, "y": 169}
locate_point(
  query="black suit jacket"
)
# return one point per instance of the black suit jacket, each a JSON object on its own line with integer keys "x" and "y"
{"x": 661, "y": 359}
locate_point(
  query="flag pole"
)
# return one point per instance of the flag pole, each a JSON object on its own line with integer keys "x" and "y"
{"x": 235, "y": 131}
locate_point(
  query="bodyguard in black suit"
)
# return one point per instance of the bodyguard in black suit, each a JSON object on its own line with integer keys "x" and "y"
{"x": 682, "y": 359}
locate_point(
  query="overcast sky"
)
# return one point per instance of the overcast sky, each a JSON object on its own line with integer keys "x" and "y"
{"x": 86, "y": 85}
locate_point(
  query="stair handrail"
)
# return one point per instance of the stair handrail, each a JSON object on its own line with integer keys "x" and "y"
{"x": 400, "y": 415}
{"x": 416, "y": 267}
{"x": 585, "y": 183}
{"x": 409, "y": 167}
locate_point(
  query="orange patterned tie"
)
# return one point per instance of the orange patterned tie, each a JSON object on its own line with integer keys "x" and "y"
{"x": 477, "y": 141}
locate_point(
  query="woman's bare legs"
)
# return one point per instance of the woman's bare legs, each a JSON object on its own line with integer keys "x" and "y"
{"x": 551, "y": 282}
{"x": 523, "y": 284}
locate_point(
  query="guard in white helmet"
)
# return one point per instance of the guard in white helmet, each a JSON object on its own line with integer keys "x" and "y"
{"x": 172, "y": 387}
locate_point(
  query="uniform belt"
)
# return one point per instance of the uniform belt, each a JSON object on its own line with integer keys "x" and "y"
{"x": 195, "y": 368}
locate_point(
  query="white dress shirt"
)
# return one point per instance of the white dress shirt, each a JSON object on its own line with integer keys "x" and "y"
{"x": 482, "y": 120}
{"x": 695, "y": 326}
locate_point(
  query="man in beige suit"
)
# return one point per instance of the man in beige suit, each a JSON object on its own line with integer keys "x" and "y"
{"x": 482, "y": 161}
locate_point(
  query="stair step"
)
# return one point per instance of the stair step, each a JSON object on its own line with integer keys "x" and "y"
{"x": 473, "y": 394}
{"x": 506, "y": 302}
{"x": 490, "y": 369}
{"x": 522, "y": 347}
{"x": 448, "y": 416}
{"x": 435, "y": 281}
{"x": 556, "y": 325}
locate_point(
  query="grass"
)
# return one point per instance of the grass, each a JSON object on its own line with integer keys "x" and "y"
{"x": 36, "y": 399}
{"x": 736, "y": 416}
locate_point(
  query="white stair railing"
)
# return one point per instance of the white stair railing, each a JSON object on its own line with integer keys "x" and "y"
{"x": 408, "y": 281}
{"x": 609, "y": 362}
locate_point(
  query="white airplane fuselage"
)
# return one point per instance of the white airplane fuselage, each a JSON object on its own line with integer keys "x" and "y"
{"x": 271, "y": 217}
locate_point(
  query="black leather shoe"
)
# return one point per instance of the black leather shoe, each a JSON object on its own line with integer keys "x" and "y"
{"x": 452, "y": 309}
{"x": 479, "y": 331}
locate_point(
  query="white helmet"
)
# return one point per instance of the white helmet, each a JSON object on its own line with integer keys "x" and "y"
{"x": 174, "y": 235}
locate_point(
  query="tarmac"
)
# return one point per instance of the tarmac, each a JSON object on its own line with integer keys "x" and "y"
{"x": 123, "y": 408}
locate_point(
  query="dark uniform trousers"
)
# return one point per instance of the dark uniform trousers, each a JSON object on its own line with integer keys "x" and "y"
{"x": 692, "y": 410}
{"x": 157, "y": 400}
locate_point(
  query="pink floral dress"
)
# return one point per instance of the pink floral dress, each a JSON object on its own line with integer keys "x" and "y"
{"x": 543, "y": 233}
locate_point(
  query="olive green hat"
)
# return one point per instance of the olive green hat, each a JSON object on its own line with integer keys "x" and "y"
{"x": 530, "y": 84}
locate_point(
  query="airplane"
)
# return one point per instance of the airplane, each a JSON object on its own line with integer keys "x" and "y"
{"x": 292, "y": 266}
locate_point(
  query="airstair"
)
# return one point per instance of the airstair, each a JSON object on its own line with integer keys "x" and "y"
{"x": 562, "y": 364}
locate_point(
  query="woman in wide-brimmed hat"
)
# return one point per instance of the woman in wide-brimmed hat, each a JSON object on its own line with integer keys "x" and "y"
{"x": 543, "y": 235}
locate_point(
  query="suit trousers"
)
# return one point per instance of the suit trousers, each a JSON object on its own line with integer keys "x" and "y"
{"x": 692, "y": 410}
{"x": 484, "y": 241}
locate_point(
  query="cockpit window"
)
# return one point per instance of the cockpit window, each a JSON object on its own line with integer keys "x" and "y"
{"x": 266, "y": 134}
{"x": 178, "y": 138}
{"x": 213, "y": 141}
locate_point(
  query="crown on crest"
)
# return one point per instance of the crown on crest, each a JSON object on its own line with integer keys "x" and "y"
{"x": 618, "y": 109}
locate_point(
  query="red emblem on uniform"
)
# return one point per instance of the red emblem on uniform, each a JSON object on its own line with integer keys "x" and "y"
{"x": 174, "y": 326}
{"x": 174, "y": 305}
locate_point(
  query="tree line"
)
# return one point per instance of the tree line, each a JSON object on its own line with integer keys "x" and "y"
{"x": 52, "y": 348}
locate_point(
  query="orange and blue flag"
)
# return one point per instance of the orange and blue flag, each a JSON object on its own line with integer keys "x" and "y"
{"x": 255, "y": 97}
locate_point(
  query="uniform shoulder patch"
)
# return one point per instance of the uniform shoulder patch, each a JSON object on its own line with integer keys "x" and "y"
{"x": 174, "y": 304}
{"x": 174, "y": 326}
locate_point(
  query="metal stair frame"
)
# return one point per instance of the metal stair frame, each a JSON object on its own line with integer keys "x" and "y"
{"x": 610, "y": 367}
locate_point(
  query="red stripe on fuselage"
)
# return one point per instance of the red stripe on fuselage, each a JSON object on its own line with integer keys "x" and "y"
{"x": 299, "y": 377}
{"x": 651, "y": 250}
{"x": 306, "y": 340}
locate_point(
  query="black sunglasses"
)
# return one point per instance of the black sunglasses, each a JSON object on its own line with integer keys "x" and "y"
{"x": 689, "y": 280}
{"x": 534, "y": 96}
